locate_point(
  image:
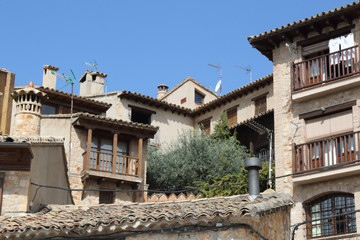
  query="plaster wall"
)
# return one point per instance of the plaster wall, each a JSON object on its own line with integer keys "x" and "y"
{"x": 187, "y": 90}
{"x": 15, "y": 191}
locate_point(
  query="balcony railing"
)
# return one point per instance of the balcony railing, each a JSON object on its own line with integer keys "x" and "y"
{"x": 103, "y": 161}
{"x": 326, "y": 152}
{"x": 325, "y": 68}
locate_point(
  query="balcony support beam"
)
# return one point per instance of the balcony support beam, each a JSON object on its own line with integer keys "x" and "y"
{"x": 88, "y": 150}
{"x": 115, "y": 142}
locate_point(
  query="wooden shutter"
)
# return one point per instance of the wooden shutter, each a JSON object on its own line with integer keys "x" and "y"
{"x": 205, "y": 124}
{"x": 106, "y": 197}
{"x": 260, "y": 105}
{"x": 232, "y": 116}
{"x": 329, "y": 125}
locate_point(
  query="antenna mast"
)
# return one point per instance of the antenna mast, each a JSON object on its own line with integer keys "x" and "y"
{"x": 218, "y": 85}
{"x": 246, "y": 69}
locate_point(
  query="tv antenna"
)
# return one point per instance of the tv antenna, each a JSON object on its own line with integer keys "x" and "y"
{"x": 93, "y": 65}
{"x": 68, "y": 81}
{"x": 246, "y": 69}
{"x": 218, "y": 85}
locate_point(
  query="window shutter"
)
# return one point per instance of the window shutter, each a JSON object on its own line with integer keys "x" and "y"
{"x": 232, "y": 117}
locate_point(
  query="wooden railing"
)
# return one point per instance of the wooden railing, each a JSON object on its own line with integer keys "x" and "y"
{"x": 103, "y": 161}
{"x": 326, "y": 152}
{"x": 325, "y": 68}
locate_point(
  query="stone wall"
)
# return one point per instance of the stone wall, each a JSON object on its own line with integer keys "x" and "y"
{"x": 286, "y": 117}
{"x": 15, "y": 191}
{"x": 271, "y": 226}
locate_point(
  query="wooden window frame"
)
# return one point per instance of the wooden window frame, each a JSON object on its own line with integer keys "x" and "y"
{"x": 201, "y": 94}
{"x": 330, "y": 221}
{"x": 259, "y": 110}
{"x": 112, "y": 195}
{"x": 232, "y": 122}
{"x": 206, "y": 120}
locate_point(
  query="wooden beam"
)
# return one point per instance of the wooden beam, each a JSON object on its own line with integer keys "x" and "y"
{"x": 88, "y": 150}
{"x": 331, "y": 24}
{"x": 140, "y": 156}
{"x": 287, "y": 37}
{"x": 115, "y": 141}
{"x": 316, "y": 28}
{"x": 346, "y": 19}
{"x": 302, "y": 33}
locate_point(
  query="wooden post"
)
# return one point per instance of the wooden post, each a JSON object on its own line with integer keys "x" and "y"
{"x": 140, "y": 154}
{"x": 88, "y": 149}
{"x": 114, "y": 153}
{"x": 294, "y": 158}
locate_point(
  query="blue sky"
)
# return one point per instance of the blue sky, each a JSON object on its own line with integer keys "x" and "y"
{"x": 141, "y": 44}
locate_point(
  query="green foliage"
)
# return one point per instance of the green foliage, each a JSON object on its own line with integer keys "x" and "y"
{"x": 221, "y": 130}
{"x": 195, "y": 156}
{"x": 237, "y": 178}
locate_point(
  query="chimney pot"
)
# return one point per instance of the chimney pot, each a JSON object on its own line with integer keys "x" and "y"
{"x": 49, "y": 76}
{"x": 253, "y": 165}
{"x": 162, "y": 90}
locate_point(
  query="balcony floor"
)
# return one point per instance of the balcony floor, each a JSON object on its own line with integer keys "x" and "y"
{"x": 326, "y": 175}
{"x": 109, "y": 176}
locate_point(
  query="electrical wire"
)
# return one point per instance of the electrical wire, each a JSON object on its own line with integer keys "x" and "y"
{"x": 191, "y": 189}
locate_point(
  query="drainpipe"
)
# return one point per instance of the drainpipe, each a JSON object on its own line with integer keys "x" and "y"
{"x": 253, "y": 165}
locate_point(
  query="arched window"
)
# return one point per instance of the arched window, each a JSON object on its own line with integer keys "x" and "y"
{"x": 332, "y": 214}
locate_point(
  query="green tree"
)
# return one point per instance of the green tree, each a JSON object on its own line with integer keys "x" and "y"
{"x": 239, "y": 179}
{"x": 194, "y": 156}
{"x": 221, "y": 129}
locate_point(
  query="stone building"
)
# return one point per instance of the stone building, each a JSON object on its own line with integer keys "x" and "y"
{"x": 316, "y": 114}
{"x": 235, "y": 217}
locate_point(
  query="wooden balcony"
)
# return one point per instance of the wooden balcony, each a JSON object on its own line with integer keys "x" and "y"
{"x": 325, "y": 69}
{"x": 332, "y": 151}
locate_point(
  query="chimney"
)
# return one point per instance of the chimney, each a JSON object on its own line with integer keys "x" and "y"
{"x": 92, "y": 83}
{"x": 49, "y": 76}
{"x": 253, "y": 165}
{"x": 28, "y": 111}
{"x": 162, "y": 91}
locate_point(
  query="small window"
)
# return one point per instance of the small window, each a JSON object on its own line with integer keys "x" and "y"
{"x": 321, "y": 211}
{"x": 232, "y": 117}
{"x": 106, "y": 197}
{"x": 205, "y": 125}
{"x": 199, "y": 98}
{"x": 260, "y": 105}
{"x": 141, "y": 115}
{"x": 47, "y": 109}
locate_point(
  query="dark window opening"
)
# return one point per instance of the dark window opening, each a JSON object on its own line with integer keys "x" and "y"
{"x": 47, "y": 109}
{"x": 140, "y": 117}
{"x": 199, "y": 98}
{"x": 93, "y": 77}
{"x": 330, "y": 215}
{"x": 106, "y": 197}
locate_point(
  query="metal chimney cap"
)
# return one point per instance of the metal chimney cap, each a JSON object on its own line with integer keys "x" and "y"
{"x": 253, "y": 162}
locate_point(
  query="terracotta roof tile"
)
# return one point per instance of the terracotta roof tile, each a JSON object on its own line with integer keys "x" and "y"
{"x": 304, "y": 21}
{"x": 115, "y": 121}
{"x": 106, "y": 219}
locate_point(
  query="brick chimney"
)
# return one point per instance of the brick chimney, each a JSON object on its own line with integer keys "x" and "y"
{"x": 162, "y": 91}
{"x": 49, "y": 76}
{"x": 28, "y": 111}
{"x": 92, "y": 83}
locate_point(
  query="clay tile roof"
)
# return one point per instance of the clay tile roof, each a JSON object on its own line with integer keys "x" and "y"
{"x": 234, "y": 94}
{"x": 117, "y": 122}
{"x": 82, "y": 221}
{"x": 349, "y": 10}
{"x": 78, "y": 100}
{"x": 154, "y": 102}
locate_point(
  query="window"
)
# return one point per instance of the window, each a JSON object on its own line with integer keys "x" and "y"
{"x": 199, "y": 98}
{"x": 48, "y": 109}
{"x": 329, "y": 125}
{"x": 205, "y": 125}
{"x": 102, "y": 149}
{"x": 260, "y": 105}
{"x": 141, "y": 115}
{"x": 106, "y": 197}
{"x": 232, "y": 116}
{"x": 329, "y": 215}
